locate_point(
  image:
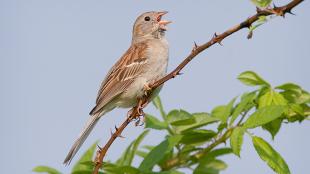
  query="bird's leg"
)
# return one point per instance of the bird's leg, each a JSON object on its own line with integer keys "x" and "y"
{"x": 139, "y": 110}
{"x": 146, "y": 89}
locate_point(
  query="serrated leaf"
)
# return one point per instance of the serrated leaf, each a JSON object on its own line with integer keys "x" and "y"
{"x": 222, "y": 112}
{"x": 209, "y": 156}
{"x": 157, "y": 103}
{"x": 197, "y": 136}
{"x": 236, "y": 140}
{"x": 176, "y": 115}
{"x": 201, "y": 119}
{"x": 87, "y": 156}
{"x": 187, "y": 121}
{"x": 273, "y": 127}
{"x": 264, "y": 115}
{"x": 110, "y": 168}
{"x": 252, "y": 79}
{"x": 219, "y": 152}
{"x": 261, "y": 3}
{"x": 127, "y": 157}
{"x": 154, "y": 123}
{"x": 245, "y": 101}
{"x": 46, "y": 169}
{"x": 212, "y": 167}
{"x": 270, "y": 156}
{"x": 158, "y": 153}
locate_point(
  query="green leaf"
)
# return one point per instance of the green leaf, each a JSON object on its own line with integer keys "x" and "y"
{"x": 290, "y": 87}
{"x": 201, "y": 119}
{"x": 212, "y": 167}
{"x": 270, "y": 156}
{"x": 197, "y": 136}
{"x": 223, "y": 112}
{"x": 246, "y": 99}
{"x": 154, "y": 123}
{"x": 303, "y": 98}
{"x": 219, "y": 152}
{"x": 271, "y": 97}
{"x": 261, "y": 20}
{"x": 87, "y": 156}
{"x": 266, "y": 99}
{"x": 158, "y": 153}
{"x": 262, "y": 3}
{"x": 188, "y": 121}
{"x": 236, "y": 140}
{"x": 142, "y": 154}
{"x": 167, "y": 172}
{"x": 45, "y": 169}
{"x": 273, "y": 127}
{"x": 110, "y": 168}
{"x": 252, "y": 79}
{"x": 177, "y": 115}
{"x": 127, "y": 157}
{"x": 157, "y": 103}
{"x": 264, "y": 115}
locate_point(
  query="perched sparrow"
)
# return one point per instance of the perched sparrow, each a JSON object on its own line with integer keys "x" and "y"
{"x": 144, "y": 62}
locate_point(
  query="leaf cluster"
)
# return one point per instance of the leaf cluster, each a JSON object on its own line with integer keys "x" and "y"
{"x": 191, "y": 143}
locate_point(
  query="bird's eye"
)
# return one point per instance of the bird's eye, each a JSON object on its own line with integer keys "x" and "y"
{"x": 147, "y": 18}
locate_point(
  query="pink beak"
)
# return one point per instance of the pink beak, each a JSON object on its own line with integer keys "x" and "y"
{"x": 162, "y": 23}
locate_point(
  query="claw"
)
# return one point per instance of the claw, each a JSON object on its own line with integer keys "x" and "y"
{"x": 146, "y": 89}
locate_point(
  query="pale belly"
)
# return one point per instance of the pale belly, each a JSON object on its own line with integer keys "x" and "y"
{"x": 156, "y": 69}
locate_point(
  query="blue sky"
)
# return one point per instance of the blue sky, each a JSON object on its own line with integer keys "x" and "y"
{"x": 54, "y": 54}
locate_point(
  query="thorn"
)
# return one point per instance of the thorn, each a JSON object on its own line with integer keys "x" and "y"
{"x": 250, "y": 35}
{"x": 290, "y": 12}
{"x": 100, "y": 148}
{"x": 258, "y": 10}
{"x": 215, "y": 35}
{"x": 274, "y": 5}
{"x": 116, "y": 128}
{"x": 121, "y": 136}
{"x": 195, "y": 44}
{"x": 111, "y": 132}
{"x": 179, "y": 73}
{"x": 194, "y": 47}
{"x": 216, "y": 39}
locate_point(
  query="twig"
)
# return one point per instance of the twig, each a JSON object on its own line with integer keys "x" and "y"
{"x": 217, "y": 38}
{"x": 101, "y": 152}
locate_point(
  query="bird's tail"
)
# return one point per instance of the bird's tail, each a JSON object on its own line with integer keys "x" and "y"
{"x": 82, "y": 137}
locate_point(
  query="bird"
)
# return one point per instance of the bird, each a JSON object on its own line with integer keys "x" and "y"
{"x": 144, "y": 62}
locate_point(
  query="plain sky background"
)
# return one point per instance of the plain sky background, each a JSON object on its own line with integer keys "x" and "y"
{"x": 54, "y": 54}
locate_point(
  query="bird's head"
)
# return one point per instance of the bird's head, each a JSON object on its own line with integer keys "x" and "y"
{"x": 150, "y": 24}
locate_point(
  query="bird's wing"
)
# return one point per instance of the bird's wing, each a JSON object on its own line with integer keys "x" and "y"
{"x": 121, "y": 75}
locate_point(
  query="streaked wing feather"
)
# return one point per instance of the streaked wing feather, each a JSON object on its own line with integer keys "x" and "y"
{"x": 121, "y": 75}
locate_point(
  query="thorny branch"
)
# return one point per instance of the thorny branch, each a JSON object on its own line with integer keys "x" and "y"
{"x": 217, "y": 38}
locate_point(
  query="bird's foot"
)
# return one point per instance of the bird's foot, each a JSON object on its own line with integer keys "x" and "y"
{"x": 146, "y": 89}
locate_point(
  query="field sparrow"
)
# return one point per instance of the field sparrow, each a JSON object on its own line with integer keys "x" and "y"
{"x": 144, "y": 62}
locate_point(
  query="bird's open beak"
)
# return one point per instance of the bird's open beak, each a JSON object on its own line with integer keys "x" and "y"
{"x": 162, "y": 23}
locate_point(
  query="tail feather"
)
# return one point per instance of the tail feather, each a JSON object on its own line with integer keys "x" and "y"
{"x": 81, "y": 138}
